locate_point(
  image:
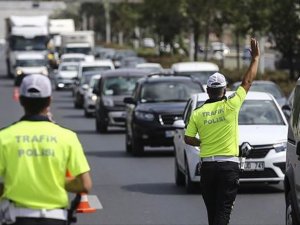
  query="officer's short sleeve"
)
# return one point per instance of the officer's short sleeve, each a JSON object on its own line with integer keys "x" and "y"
{"x": 236, "y": 99}
{"x": 77, "y": 163}
{"x": 191, "y": 129}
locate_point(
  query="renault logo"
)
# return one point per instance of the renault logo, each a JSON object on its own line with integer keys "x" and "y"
{"x": 245, "y": 149}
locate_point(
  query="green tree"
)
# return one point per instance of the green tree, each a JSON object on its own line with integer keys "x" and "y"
{"x": 235, "y": 14}
{"x": 124, "y": 18}
{"x": 164, "y": 18}
{"x": 285, "y": 27}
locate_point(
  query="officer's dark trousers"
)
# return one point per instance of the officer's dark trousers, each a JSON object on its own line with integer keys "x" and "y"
{"x": 38, "y": 221}
{"x": 219, "y": 185}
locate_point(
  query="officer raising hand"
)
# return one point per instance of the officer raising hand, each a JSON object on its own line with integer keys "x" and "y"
{"x": 216, "y": 123}
{"x": 35, "y": 155}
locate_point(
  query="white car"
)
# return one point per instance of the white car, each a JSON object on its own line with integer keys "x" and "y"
{"x": 97, "y": 65}
{"x": 200, "y": 70}
{"x": 90, "y": 98}
{"x": 151, "y": 67}
{"x": 262, "y": 125}
{"x": 66, "y": 75}
{"x": 72, "y": 57}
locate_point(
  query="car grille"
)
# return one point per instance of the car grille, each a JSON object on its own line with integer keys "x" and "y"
{"x": 266, "y": 173}
{"x": 259, "y": 151}
{"x": 167, "y": 119}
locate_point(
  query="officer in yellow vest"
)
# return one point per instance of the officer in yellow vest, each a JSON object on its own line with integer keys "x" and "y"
{"x": 216, "y": 123}
{"x": 35, "y": 155}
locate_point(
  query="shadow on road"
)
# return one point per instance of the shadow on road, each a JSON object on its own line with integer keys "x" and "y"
{"x": 64, "y": 107}
{"x": 108, "y": 154}
{"x": 158, "y": 189}
{"x": 262, "y": 188}
{"x": 62, "y": 100}
{"x": 172, "y": 189}
{"x": 156, "y": 153}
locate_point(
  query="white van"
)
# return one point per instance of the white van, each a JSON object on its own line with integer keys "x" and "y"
{"x": 30, "y": 63}
{"x": 200, "y": 70}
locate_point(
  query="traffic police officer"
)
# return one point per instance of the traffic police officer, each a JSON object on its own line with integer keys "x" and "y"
{"x": 216, "y": 123}
{"x": 35, "y": 155}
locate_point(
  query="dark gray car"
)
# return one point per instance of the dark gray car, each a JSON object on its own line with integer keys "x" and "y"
{"x": 113, "y": 87}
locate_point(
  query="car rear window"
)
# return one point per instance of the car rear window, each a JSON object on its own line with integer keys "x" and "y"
{"x": 119, "y": 85}
{"x": 169, "y": 91}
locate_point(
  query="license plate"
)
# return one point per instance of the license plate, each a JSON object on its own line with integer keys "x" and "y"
{"x": 252, "y": 166}
{"x": 169, "y": 133}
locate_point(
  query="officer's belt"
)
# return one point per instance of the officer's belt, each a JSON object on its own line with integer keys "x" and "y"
{"x": 60, "y": 214}
{"x": 221, "y": 159}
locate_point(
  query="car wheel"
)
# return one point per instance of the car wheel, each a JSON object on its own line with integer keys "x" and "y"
{"x": 128, "y": 142}
{"x": 87, "y": 114}
{"x": 102, "y": 126}
{"x": 179, "y": 176}
{"x": 190, "y": 186}
{"x": 290, "y": 214}
{"x": 76, "y": 103}
{"x": 137, "y": 146}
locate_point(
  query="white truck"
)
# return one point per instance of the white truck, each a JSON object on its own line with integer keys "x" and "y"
{"x": 25, "y": 33}
{"x": 78, "y": 42}
{"x": 56, "y": 28}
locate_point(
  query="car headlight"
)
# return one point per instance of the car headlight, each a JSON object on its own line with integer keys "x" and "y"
{"x": 280, "y": 147}
{"x": 108, "y": 102}
{"x": 144, "y": 116}
{"x": 19, "y": 71}
{"x": 93, "y": 97}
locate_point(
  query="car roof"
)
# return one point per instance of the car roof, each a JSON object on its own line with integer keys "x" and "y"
{"x": 125, "y": 72}
{"x": 256, "y": 82}
{"x": 158, "y": 78}
{"x": 194, "y": 66}
{"x": 103, "y": 62}
{"x": 146, "y": 65}
{"x": 30, "y": 55}
{"x": 69, "y": 63}
{"x": 251, "y": 95}
{"x": 72, "y": 55}
{"x": 97, "y": 76}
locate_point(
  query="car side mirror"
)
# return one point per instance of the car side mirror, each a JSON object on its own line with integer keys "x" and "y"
{"x": 179, "y": 124}
{"x": 129, "y": 100}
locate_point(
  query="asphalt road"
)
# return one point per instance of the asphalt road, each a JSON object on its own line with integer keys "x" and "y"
{"x": 141, "y": 190}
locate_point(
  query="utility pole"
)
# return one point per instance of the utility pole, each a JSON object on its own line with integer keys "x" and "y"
{"x": 106, "y": 5}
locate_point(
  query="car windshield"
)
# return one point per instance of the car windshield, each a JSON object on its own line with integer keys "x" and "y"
{"x": 31, "y": 63}
{"x": 260, "y": 112}
{"x": 119, "y": 85}
{"x": 168, "y": 91}
{"x": 18, "y": 43}
{"x": 95, "y": 68}
{"x": 69, "y": 68}
{"x": 273, "y": 89}
{"x": 93, "y": 81}
{"x": 86, "y": 77}
{"x": 201, "y": 75}
{"x": 83, "y": 50}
